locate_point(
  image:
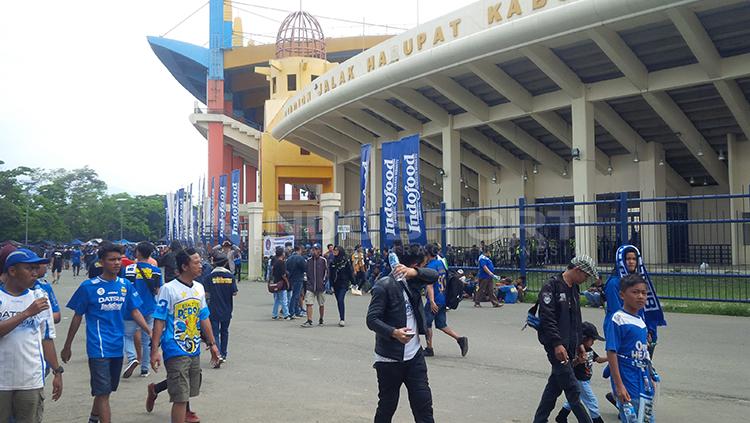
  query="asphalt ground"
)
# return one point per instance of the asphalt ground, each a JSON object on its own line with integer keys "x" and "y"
{"x": 279, "y": 372}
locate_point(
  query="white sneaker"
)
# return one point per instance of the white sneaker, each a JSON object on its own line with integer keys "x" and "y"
{"x": 131, "y": 367}
{"x": 342, "y": 324}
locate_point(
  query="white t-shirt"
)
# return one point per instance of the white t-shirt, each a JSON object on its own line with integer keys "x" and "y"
{"x": 412, "y": 347}
{"x": 22, "y": 364}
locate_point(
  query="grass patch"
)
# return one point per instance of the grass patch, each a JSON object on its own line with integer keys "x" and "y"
{"x": 692, "y": 307}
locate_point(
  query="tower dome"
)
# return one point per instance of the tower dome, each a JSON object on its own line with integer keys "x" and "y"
{"x": 300, "y": 35}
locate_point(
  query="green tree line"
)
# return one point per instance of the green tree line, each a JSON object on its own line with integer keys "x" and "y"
{"x": 61, "y": 205}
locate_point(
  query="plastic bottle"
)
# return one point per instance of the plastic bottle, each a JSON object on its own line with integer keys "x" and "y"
{"x": 393, "y": 261}
{"x": 630, "y": 413}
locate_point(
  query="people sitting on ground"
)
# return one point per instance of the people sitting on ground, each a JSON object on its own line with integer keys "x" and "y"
{"x": 595, "y": 294}
{"x": 520, "y": 284}
{"x": 507, "y": 291}
{"x": 470, "y": 284}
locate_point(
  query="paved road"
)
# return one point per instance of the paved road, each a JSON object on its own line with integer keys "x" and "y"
{"x": 279, "y": 372}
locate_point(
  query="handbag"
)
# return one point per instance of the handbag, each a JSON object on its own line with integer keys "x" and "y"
{"x": 274, "y": 287}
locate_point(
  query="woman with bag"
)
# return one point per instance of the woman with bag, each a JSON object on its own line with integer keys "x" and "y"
{"x": 277, "y": 286}
{"x": 342, "y": 274}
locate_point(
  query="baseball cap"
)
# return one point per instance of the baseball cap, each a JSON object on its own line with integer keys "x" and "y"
{"x": 589, "y": 331}
{"x": 586, "y": 264}
{"x": 316, "y": 246}
{"x": 22, "y": 255}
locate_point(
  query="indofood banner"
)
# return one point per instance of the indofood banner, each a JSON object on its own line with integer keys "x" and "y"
{"x": 391, "y": 165}
{"x": 211, "y": 216}
{"x": 363, "y": 175}
{"x": 412, "y": 194}
{"x": 167, "y": 234}
{"x": 235, "y": 208}
{"x": 180, "y": 213}
{"x": 222, "y": 207}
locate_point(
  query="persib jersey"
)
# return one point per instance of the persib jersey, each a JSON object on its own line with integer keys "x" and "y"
{"x": 103, "y": 302}
{"x": 21, "y": 353}
{"x": 627, "y": 335}
{"x": 182, "y": 308}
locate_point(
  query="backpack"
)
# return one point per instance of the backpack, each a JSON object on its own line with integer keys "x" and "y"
{"x": 454, "y": 290}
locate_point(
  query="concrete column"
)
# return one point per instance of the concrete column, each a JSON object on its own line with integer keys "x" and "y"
{"x": 653, "y": 183}
{"x": 376, "y": 190}
{"x": 330, "y": 203}
{"x": 451, "y": 144}
{"x": 254, "y": 213}
{"x": 584, "y": 172}
{"x": 739, "y": 177}
{"x": 339, "y": 180}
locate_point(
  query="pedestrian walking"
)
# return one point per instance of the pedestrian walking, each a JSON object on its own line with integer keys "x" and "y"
{"x": 342, "y": 276}
{"x": 317, "y": 274}
{"x": 486, "y": 276}
{"x": 560, "y": 332}
{"x": 396, "y": 316}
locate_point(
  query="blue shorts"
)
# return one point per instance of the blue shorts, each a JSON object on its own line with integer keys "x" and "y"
{"x": 105, "y": 375}
{"x": 441, "y": 319}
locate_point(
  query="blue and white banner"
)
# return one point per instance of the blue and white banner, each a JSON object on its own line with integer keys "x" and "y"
{"x": 166, "y": 217}
{"x": 412, "y": 195}
{"x": 363, "y": 175}
{"x": 180, "y": 214}
{"x": 222, "y": 207}
{"x": 173, "y": 216}
{"x": 391, "y": 169}
{"x": 235, "y": 208}
{"x": 211, "y": 216}
{"x": 189, "y": 217}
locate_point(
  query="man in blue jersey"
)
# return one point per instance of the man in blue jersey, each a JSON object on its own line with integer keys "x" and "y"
{"x": 180, "y": 320}
{"x": 146, "y": 278}
{"x": 102, "y": 300}
{"x": 75, "y": 258}
{"x": 435, "y": 309}
{"x": 486, "y": 276}
{"x": 627, "y": 351}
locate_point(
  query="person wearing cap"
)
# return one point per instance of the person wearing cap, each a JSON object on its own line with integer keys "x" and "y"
{"x": 583, "y": 372}
{"x": 296, "y": 265}
{"x": 26, "y": 329}
{"x": 560, "y": 332}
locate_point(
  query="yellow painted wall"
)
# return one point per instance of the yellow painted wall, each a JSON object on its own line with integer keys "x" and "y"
{"x": 282, "y": 160}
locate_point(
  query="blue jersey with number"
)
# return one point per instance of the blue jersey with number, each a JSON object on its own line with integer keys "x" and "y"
{"x": 439, "y": 286}
{"x": 103, "y": 302}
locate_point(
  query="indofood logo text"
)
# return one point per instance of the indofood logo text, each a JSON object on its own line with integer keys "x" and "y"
{"x": 391, "y": 187}
{"x": 413, "y": 196}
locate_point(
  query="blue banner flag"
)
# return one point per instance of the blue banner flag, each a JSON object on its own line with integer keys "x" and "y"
{"x": 173, "y": 215}
{"x": 391, "y": 169}
{"x": 211, "y": 216}
{"x": 235, "y": 208}
{"x": 181, "y": 214}
{"x": 414, "y": 215}
{"x": 363, "y": 175}
{"x": 222, "y": 207}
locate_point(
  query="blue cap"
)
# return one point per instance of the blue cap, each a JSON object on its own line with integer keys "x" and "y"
{"x": 22, "y": 255}
{"x": 316, "y": 246}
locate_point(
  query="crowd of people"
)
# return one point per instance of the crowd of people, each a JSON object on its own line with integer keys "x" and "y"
{"x": 182, "y": 297}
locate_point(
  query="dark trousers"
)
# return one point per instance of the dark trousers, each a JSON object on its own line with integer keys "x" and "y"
{"x": 340, "y": 296}
{"x": 562, "y": 379}
{"x": 413, "y": 374}
{"x": 485, "y": 289}
{"x": 294, "y": 307}
{"x": 221, "y": 335}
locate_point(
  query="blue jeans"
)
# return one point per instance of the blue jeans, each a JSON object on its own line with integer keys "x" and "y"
{"x": 588, "y": 398}
{"x": 594, "y": 298}
{"x": 280, "y": 300}
{"x": 220, "y": 328}
{"x": 294, "y": 307}
{"x": 129, "y": 341}
{"x": 340, "y": 295}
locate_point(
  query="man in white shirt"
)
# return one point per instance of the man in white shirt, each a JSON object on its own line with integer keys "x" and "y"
{"x": 27, "y": 331}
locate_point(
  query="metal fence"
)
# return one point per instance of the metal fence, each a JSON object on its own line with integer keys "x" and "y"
{"x": 695, "y": 247}
{"x": 306, "y": 230}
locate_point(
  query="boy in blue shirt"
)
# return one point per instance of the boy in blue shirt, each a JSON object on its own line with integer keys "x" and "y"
{"x": 75, "y": 258}
{"x": 102, "y": 300}
{"x": 627, "y": 352}
{"x": 435, "y": 309}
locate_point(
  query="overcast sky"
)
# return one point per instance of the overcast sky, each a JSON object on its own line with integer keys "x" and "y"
{"x": 81, "y": 86}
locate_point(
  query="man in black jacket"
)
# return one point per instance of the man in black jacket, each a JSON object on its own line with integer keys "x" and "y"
{"x": 396, "y": 315}
{"x": 560, "y": 332}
